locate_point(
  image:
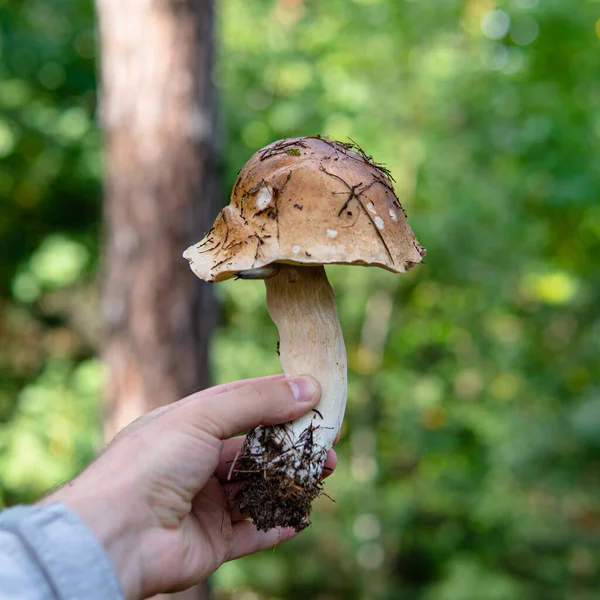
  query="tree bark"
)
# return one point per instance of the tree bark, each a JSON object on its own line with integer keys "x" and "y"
{"x": 157, "y": 105}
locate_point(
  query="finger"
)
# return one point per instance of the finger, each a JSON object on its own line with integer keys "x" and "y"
{"x": 330, "y": 464}
{"x": 233, "y": 506}
{"x": 258, "y": 402}
{"x": 230, "y": 456}
{"x": 247, "y": 539}
{"x": 232, "y": 452}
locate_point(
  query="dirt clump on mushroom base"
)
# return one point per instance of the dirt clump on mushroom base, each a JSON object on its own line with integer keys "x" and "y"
{"x": 276, "y": 493}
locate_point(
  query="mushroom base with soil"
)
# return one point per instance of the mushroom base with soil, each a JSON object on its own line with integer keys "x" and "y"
{"x": 281, "y": 466}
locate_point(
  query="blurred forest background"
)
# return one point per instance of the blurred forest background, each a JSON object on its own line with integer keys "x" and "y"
{"x": 470, "y": 461}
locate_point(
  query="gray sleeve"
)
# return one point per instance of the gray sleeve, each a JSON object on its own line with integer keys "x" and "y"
{"x": 48, "y": 553}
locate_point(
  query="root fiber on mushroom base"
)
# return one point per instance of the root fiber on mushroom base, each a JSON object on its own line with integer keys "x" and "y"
{"x": 280, "y": 480}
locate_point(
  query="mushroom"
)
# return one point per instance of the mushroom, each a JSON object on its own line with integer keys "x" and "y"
{"x": 297, "y": 205}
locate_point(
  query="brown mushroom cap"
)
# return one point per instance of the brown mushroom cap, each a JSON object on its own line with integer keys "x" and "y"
{"x": 308, "y": 201}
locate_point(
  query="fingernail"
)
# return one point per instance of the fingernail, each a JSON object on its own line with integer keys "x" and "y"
{"x": 304, "y": 388}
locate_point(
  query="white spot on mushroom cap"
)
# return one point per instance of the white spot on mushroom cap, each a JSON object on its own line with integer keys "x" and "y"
{"x": 393, "y": 214}
{"x": 263, "y": 198}
{"x": 371, "y": 208}
{"x": 296, "y": 249}
{"x": 379, "y": 223}
{"x": 332, "y": 233}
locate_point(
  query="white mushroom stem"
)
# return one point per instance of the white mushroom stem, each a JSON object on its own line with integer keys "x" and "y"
{"x": 302, "y": 305}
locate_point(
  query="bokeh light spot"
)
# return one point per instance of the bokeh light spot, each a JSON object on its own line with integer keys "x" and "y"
{"x": 505, "y": 386}
{"x": 256, "y": 134}
{"x": 558, "y": 287}
{"x": 524, "y": 31}
{"x": 495, "y": 24}
{"x": 468, "y": 383}
{"x": 25, "y": 287}
{"x": 370, "y": 556}
{"x": 433, "y": 417}
{"x": 366, "y": 527}
{"x": 259, "y": 98}
{"x": 339, "y": 126}
{"x": 52, "y": 75}
{"x": 290, "y": 78}
{"x": 85, "y": 44}
{"x": 14, "y": 93}
{"x": 514, "y": 61}
{"x": 73, "y": 124}
{"x": 428, "y": 390}
{"x": 494, "y": 57}
{"x": 58, "y": 261}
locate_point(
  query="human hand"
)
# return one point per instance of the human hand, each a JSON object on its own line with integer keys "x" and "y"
{"x": 158, "y": 498}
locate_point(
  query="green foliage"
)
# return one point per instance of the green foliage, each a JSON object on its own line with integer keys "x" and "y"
{"x": 470, "y": 456}
{"x": 49, "y": 199}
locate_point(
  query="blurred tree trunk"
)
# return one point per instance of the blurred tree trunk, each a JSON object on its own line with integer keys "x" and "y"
{"x": 157, "y": 112}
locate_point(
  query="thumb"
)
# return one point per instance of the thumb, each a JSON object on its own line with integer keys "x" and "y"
{"x": 263, "y": 401}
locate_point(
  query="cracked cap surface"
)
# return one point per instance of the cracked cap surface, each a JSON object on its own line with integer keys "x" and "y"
{"x": 308, "y": 201}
